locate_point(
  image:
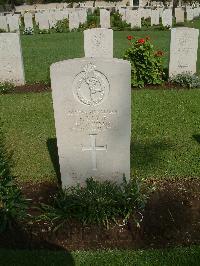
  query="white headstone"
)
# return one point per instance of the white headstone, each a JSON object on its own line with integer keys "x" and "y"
{"x": 190, "y": 14}
{"x": 134, "y": 18}
{"x": 155, "y": 17}
{"x": 98, "y": 43}
{"x": 104, "y": 18}
{"x": 183, "y": 50}
{"x": 43, "y": 21}
{"x": 167, "y": 18}
{"x": 11, "y": 62}
{"x": 179, "y": 14}
{"x": 3, "y": 23}
{"x": 92, "y": 107}
{"x": 28, "y": 21}
{"x": 82, "y": 16}
{"x": 13, "y": 22}
{"x": 73, "y": 20}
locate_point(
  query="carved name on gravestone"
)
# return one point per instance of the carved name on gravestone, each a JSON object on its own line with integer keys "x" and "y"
{"x": 155, "y": 17}
{"x": 91, "y": 100}
{"x": 179, "y": 14}
{"x": 98, "y": 43}
{"x": 11, "y": 62}
{"x": 28, "y": 21}
{"x": 104, "y": 18}
{"x": 3, "y": 23}
{"x": 183, "y": 51}
{"x": 167, "y": 18}
{"x": 73, "y": 20}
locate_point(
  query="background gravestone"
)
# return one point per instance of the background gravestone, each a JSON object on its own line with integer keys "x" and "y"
{"x": 104, "y": 18}
{"x": 167, "y": 18}
{"x": 98, "y": 43}
{"x": 92, "y": 110}
{"x": 73, "y": 20}
{"x": 183, "y": 51}
{"x": 155, "y": 17}
{"x": 13, "y": 22}
{"x": 11, "y": 62}
{"x": 3, "y": 23}
{"x": 179, "y": 14}
{"x": 28, "y": 21}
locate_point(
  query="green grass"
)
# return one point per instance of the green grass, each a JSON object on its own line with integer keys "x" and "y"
{"x": 40, "y": 51}
{"x": 168, "y": 257}
{"x": 165, "y": 133}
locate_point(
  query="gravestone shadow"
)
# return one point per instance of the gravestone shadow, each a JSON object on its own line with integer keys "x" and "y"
{"x": 53, "y": 152}
{"x": 196, "y": 137}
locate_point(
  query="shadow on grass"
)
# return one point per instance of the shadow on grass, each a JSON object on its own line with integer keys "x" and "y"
{"x": 196, "y": 137}
{"x": 148, "y": 155}
{"x": 53, "y": 152}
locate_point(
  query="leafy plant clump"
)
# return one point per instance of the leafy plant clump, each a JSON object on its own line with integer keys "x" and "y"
{"x": 146, "y": 62}
{"x": 28, "y": 31}
{"x": 6, "y": 87}
{"x": 12, "y": 204}
{"x": 118, "y": 23}
{"x": 100, "y": 203}
{"x": 186, "y": 80}
{"x": 62, "y": 26}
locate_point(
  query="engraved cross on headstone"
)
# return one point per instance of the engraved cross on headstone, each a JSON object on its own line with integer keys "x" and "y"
{"x": 93, "y": 148}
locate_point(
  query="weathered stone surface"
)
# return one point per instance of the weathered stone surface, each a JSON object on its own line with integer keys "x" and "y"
{"x": 134, "y": 18}
{"x": 183, "y": 50}
{"x": 73, "y": 20}
{"x": 13, "y": 22}
{"x": 82, "y": 16}
{"x": 92, "y": 107}
{"x": 179, "y": 14}
{"x": 167, "y": 18}
{"x": 155, "y": 17}
{"x": 28, "y": 21}
{"x": 11, "y": 62}
{"x": 43, "y": 21}
{"x": 104, "y": 18}
{"x": 3, "y": 23}
{"x": 98, "y": 43}
{"x": 190, "y": 14}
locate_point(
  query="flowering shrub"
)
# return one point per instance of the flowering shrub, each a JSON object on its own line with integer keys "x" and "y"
{"x": 146, "y": 63}
{"x": 186, "y": 80}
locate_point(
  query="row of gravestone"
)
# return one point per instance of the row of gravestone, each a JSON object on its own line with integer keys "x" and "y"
{"x": 48, "y": 19}
{"x": 92, "y": 101}
{"x": 99, "y": 43}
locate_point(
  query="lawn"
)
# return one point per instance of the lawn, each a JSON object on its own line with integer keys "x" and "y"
{"x": 40, "y": 51}
{"x": 177, "y": 257}
{"x": 165, "y": 134}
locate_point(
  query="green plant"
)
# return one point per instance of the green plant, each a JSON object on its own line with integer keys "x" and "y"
{"x": 2, "y": 30}
{"x": 118, "y": 23}
{"x": 92, "y": 21}
{"x": 146, "y": 63}
{"x": 28, "y": 31}
{"x": 146, "y": 22}
{"x": 62, "y": 26}
{"x": 99, "y": 203}
{"x": 6, "y": 87}
{"x": 186, "y": 80}
{"x": 12, "y": 204}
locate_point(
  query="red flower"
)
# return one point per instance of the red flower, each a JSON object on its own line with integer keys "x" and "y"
{"x": 129, "y": 37}
{"x": 141, "y": 41}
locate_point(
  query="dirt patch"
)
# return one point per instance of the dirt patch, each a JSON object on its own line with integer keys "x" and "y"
{"x": 171, "y": 217}
{"x": 42, "y": 87}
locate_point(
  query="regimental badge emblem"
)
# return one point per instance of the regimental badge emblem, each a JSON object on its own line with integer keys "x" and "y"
{"x": 90, "y": 86}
